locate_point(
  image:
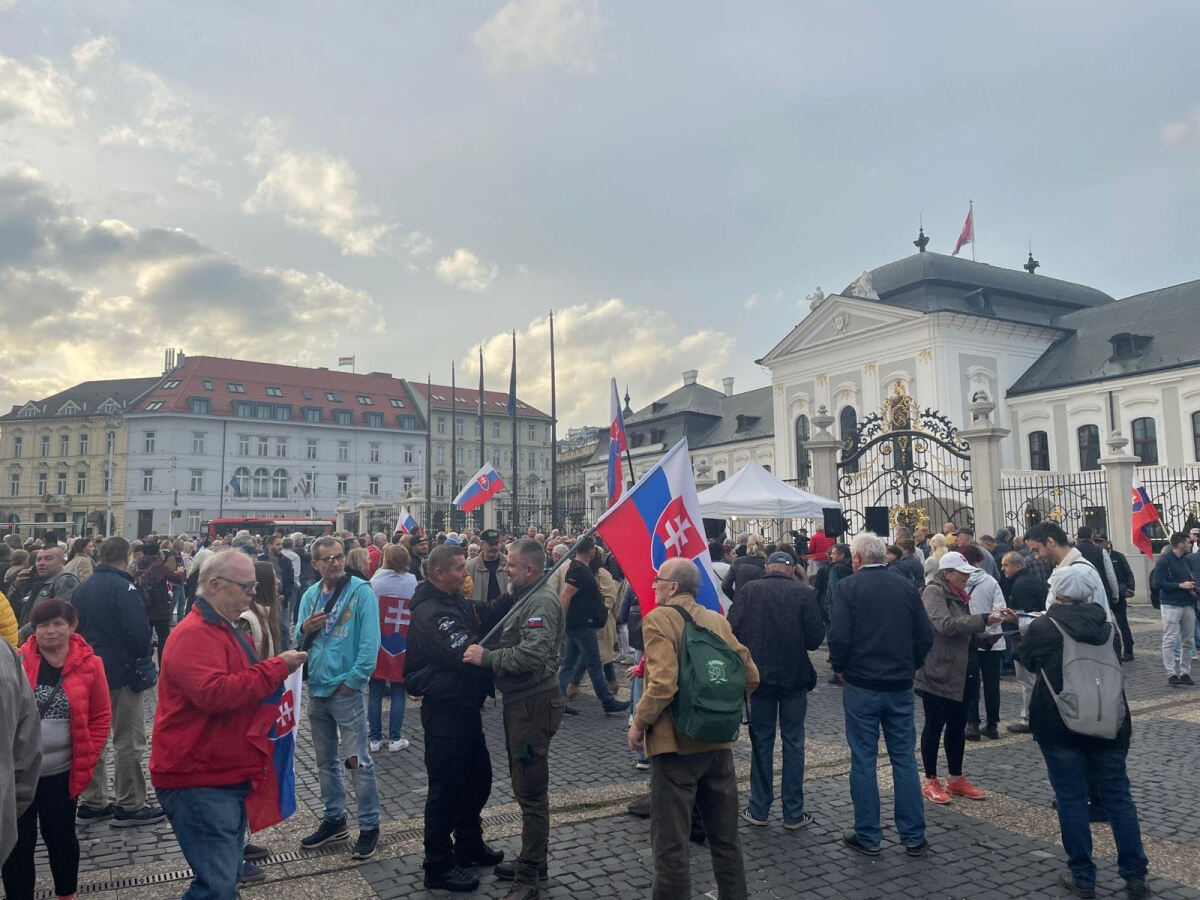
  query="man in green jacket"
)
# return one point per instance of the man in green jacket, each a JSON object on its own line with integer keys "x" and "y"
{"x": 525, "y": 666}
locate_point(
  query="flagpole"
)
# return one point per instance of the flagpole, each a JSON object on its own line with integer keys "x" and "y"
{"x": 453, "y": 443}
{"x": 554, "y": 521}
{"x": 428, "y": 447}
{"x": 971, "y": 213}
{"x": 515, "y": 449}
{"x": 482, "y": 449}
{"x": 628, "y": 454}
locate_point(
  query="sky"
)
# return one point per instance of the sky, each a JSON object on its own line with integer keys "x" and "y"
{"x": 406, "y": 182}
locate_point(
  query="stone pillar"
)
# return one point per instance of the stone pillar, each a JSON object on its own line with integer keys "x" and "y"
{"x": 985, "y": 439}
{"x": 824, "y": 448}
{"x": 364, "y": 513}
{"x": 343, "y": 507}
{"x": 1119, "y": 469}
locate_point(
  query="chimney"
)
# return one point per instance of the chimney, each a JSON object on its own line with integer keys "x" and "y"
{"x": 689, "y": 377}
{"x": 727, "y": 382}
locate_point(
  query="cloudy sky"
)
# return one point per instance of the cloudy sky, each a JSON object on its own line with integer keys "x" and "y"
{"x": 405, "y": 181}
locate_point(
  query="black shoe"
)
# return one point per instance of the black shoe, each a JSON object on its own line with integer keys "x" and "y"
{"x": 991, "y": 732}
{"x": 249, "y": 873}
{"x": 616, "y": 706}
{"x": 364, "y": 847}
{"x": 454, "y": 879}
{"x": 972, "y": 733}
{"x": 507, "y": 871}
{"x": 327, "y": 832}
{"x": 254, "y": 851}
{"x": 1018, "y": 728}
{"x": 86, "y": 815}
{"x": 850, "y": 839}
{"x": 1067, "y": 880}
{"x": 1186, "y": 679}
{"x": 1173, "y": 681}
{"x": 917, "y": 851}
{"x": 481, "y": 855}
{"x": 523, "y": 892}
{"x": 147, "y": 815}
{"x": 1135, "y": 888}
{"x": 639, "y": 806}
{"x": 1128, "y": 657}
{"x": 570, "y": 711}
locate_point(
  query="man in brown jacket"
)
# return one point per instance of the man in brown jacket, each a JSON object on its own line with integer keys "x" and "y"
{"x": 685, "y": 773}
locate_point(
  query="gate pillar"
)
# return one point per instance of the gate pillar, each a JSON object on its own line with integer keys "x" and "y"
{"x": 824, "y": 448}
{"x": 984, "y": 438}
{"x": 1119, "y": 468}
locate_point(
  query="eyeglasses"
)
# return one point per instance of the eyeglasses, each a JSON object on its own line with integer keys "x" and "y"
{"x": 326, "y": 559}
{"x": 248, "y": 587}
{"x": 664, "y": 580}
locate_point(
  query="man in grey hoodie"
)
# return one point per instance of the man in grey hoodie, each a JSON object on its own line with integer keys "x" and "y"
{"x": 20, "y": 747}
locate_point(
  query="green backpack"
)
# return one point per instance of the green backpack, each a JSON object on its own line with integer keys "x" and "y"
{"x": 711, "y": 698}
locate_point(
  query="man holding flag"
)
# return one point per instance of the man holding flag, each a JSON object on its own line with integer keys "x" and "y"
{"x": 212, "y": 744}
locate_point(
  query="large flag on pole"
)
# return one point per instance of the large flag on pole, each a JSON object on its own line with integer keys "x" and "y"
{"x": 1144, "y": 517}
{"x": 274, "y": 799}
{"x": 483, "y": 487}
{"x": 659, "y": 518}
{"x": 616, "y": 449}
{"x": 967, "y": 235}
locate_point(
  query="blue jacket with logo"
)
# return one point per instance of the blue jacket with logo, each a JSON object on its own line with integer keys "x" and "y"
{"x": 347, "y": 655}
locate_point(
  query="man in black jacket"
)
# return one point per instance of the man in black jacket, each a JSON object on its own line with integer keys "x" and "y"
{"x": 112, "y": 618}
{"x": 778, "y": 620}
{"x": 1024, "y": 592}
{"x": 1126, "y": 584}
{"x": 826, "y": 583}
{"x": 879, "y": 637}
{"x": 457, "y": 761}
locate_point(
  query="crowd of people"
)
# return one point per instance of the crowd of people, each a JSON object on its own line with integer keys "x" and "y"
{"x": 216, "y": 626}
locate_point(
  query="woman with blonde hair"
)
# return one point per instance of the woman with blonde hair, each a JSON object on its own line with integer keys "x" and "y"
{"x": 937, "y": 549}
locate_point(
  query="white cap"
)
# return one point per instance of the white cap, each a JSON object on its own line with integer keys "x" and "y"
{"x": 957, "y": 562}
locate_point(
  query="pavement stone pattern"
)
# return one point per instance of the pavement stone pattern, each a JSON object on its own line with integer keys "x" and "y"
{"x": 592, "y": 775}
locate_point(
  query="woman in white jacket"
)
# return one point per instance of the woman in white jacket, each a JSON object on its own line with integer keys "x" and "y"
{"x": 986, "y": 597}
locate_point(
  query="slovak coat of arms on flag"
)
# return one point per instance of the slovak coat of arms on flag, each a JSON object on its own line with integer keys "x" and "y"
{"x": 274, "y": 799}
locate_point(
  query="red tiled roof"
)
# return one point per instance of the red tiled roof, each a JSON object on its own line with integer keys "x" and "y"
{"x": 255, "y": 378}
{"x": 497, "y": 401}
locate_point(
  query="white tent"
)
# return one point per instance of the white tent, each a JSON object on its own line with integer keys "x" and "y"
{"x": 755, "y": 493}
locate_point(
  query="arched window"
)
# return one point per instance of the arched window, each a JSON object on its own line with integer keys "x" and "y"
{"x": 803, "y": 457}
{"x": 260, "y": 483}
{"x": 242, "y": 474}
{"x": 1196, "y": 435}
{"x": 720, "y": 475}
{"x": 1145, "y": 441}
{"x": 848, "y": 424}
{"x": 279, "y": 484}
{"x": 1039, "y": 451}
{"x": 1089, "y": 447}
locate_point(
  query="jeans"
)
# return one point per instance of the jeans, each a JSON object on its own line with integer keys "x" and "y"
{"x": 1179, "y": 623}
{"x": 376, "y": 691}
{"x": 53, "y": 807}
{"x": 581, "y": 642}
{"x": 866, "y": 712}
{"x": 128, "y": 741}
{"x": 346, "y": 713}
{"x": 1071, "y": 772}
{"x": 210, "y": 825}
{"x": 789, "y": 710}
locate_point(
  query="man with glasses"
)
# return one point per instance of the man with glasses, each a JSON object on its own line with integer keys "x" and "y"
{"x": 339, "y": 627}
{"x": 210, "y": 725}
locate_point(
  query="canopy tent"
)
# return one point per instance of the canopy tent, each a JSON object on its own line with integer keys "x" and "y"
{"x": 755, "y": 493}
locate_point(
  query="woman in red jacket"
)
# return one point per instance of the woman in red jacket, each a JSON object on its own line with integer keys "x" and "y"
{"x": 72, "y": 696}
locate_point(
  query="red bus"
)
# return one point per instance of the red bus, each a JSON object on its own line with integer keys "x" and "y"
{"x": 231, "y": 525}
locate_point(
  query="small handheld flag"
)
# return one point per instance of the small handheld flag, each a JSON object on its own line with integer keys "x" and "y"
{"x": 274, "y": 798}
{"x": 1144, "y": 517}
{"x": 967, "y": 235}
{"x": 616, "y": 449}
{"x": 405, "y": 521}
{"x": 485, "y": 485}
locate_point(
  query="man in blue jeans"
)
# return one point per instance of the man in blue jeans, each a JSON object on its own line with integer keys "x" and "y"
{"x": 586, "y": 612}
{"x": 879, "y": 635}
{"x": 779, "y": 621}
{"x": 339, "y": 627}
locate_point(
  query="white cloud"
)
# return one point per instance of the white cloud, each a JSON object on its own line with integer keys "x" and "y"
{"x": 751, "y": 302}
{"x": 163, "y": 118}
{"x": 38, "y": 92}
{"x": 531, "y": 34}
{"x": 593, "y": 342}
{"x": 1185, "y": 130}
{"x": 190, "y": 176}
{"x": 90, "y": 53}
{"x": 464, "y": 270}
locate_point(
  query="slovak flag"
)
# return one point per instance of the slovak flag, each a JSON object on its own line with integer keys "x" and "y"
{"x": 394, "y": 617}
{"x": 616, "y": 449}
{"x": 483, "y": 487}
{"x": 405, "y": 521}
{"x": 657, "y": 519}
{"x": 1144, "y": 516}
{"x": 274, "y": 799}
{"x": 967, "y": 235}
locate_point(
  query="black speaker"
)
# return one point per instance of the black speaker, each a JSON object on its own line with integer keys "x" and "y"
{"x": 877, "y": 520}
{"x": 714, "y": 529}
{"x": 835, "y": 525}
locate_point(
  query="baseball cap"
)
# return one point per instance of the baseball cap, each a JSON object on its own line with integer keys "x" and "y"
{"x": 780, "y": 558}
{"x": 955, "y": 561}
{"x": 490, "y": 536}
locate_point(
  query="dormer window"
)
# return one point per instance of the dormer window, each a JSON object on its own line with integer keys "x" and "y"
{"x": 69, "y": 408}
{"x": 657, "y": 406}
{"x": 745, "y": 423}
{"x": 30, "y": 411}
{"x": 1128, "y": 346}
{"x": 109, "y": 406}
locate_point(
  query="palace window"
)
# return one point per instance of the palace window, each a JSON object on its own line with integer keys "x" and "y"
{"x": 373, "y": 485}
{"x": 1089, "y": 447}
{"x": 279, "y": 484}
{"x": 197, "y": 481}
{"x": 198, "y": 443}
{"x": 848, "y": 423}
{"x": 17, "y": 446}
{"x": 1145, "y": 441}
{"x": 81, "y": 482}
{"x": 1039, "y": 451}
{"x": 261, "y": 483}
{"x": 148, "y": 444}
{"x": 803, "y": 457}
{"x": 83, "y": 443}
{"x": 1195, "y": 435}
{"x": 310, "y": 450}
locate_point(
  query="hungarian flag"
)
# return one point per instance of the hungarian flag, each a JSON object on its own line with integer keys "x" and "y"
{"x": 967, "y": 235}
{"x": 345, "y": 360}
{"x": 274, "y": 798}
{"x": 1144, "y": 517}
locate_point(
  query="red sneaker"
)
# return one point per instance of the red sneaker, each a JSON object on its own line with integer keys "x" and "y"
{"x": 960, "y": 787}
{"x": 932, "y": 791}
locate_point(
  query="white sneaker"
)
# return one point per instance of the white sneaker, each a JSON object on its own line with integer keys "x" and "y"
{"x": 375, "y": 745}
{"x": 400, "y": 744}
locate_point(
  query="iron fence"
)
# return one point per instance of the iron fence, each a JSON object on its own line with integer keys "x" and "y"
{"x": 1071, "y": 499}
{"x": 1175, "y": 493}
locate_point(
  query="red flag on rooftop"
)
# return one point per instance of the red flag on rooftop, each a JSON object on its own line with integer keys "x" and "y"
{"x": 967, "y": 235}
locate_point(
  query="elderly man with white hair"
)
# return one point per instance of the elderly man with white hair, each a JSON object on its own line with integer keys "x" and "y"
{"x": 879, "y": 635}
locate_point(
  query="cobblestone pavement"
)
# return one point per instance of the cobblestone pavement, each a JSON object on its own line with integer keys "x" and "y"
{"x": 1006, "y": 847}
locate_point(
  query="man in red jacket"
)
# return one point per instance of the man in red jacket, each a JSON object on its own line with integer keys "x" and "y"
{"x": 210, "y": 728}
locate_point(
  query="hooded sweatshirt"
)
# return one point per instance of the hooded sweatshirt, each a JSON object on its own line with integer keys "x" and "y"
{"x": 986, "y": 597}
